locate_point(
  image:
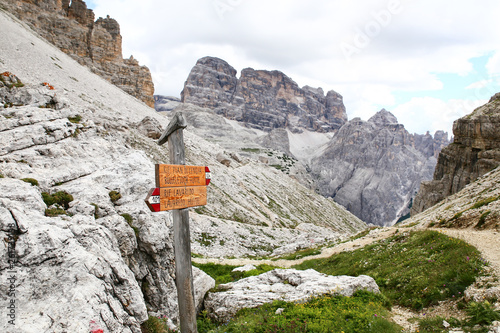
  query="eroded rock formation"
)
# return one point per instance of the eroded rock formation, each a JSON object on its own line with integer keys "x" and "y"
{"x": 475, "y": 151}
{"x": 262, "y": 99}
{"x": 289, "y": 285}
{"x": 70, "y": 26}
{"x": 374, "y": 167}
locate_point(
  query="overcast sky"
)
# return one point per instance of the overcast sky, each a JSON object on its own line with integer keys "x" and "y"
{"x": 427, "y": 61}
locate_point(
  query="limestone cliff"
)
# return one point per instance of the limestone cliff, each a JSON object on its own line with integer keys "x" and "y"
{"x": 70, "y": 26}
{"x": 474, "y": 152}
{"x": 374, "y": 167}
{"x": 262, "y": 99}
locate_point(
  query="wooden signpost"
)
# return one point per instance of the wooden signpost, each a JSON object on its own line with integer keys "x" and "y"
{"x": 179, "y": 186}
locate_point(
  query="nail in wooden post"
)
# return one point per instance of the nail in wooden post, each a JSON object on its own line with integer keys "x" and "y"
{"x": 182, "y": 244}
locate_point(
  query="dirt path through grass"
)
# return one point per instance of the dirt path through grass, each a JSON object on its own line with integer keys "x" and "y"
{"x": 487, "y": 242}
{"x": 373, "y": 236}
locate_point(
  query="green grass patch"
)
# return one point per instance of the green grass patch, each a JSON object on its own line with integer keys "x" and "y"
{"x": 130, "y": 220}
{"x": 32, "y": 181}
{"x": 51, "y": 212}
{"x": 155, "y": 325}
{"x": 300, "y": 254}
{"x": 251, "y": 150}
{"x": 114, "y": 196}
{"x": 485, "y": 202}
{"x": 75, "y": 119}
{"x": 413, "y": 269}
{"x": 482, "y": 219}
{"x": 480, "y": 315}
{"x": 62, "y": 198}
{"x": 363, "y": 312}
{"x": 224, "y": 273}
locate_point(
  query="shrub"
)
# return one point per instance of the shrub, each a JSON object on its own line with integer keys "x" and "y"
{"x": 61, "y": 198}
{"x": 76, "y": 119}
{"x": 32, "y": 181}
{"x": 481, "y": 313}
{"x": 114, "y": 196}
{"x": 55, "y": 212}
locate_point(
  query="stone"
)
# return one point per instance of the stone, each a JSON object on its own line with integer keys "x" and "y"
{"x": 262, "y": 99}
{"x": 245, "y": 268}
{"x": 202, "y": 283}
{"x": 474, "y": 151}
{"x": 223, "y": 159}
{"x": 289, "y": 285}
{"x": 150, "y": 127}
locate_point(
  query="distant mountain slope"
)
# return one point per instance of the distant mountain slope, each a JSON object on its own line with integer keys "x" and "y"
{"x": 374, "y": 167}
{"x": 107, "y": 262}
{"x": 474, "y": 151}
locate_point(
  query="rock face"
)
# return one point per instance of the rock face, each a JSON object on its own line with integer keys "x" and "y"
{"x": 70, "y": 26}
{"x": 262, "y": 99}
{"x": 374, "y": 167}
{"x": 475, "y": 151}
{"x": 289, "y": 285}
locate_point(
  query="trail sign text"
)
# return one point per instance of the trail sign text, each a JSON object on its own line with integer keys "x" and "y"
{"x": 168, "y": 175}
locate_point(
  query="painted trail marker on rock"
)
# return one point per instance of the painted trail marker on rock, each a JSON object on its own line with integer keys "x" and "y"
{"x": 180, "y": 186}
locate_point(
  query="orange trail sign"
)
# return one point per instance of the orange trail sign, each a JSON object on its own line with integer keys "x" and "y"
{"x": 182, "y": 197}
{"x": 170, "y": 175}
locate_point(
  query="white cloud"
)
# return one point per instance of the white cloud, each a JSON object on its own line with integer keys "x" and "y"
{"x": 404, "y": 51}
{"x": 431, "y": 114}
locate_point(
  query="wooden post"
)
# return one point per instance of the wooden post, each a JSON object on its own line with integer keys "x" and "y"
{"x": 182, "y": 244}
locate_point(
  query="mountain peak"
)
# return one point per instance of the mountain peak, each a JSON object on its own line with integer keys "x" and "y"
{"x": 384, "y": 117}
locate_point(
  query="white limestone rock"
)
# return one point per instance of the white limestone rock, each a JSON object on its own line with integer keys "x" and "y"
{"x": 284, "y": 284}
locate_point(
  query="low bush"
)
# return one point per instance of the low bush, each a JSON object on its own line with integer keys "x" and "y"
{"x": 114, "y": 196}
{"x": 61, "y": 198}
{"x": 363, "y": 312}
{"x": 32, "y": 181}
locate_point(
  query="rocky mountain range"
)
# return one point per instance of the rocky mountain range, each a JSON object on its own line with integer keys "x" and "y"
{"x": 373, "y": 168}
{"x": 97, "y": 44}
{"x": 262, "y": 99}
{"x": 74, "y": 172}
{"x": 474, "y": 151}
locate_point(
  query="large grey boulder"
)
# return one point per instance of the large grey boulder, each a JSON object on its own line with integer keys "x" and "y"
{"x": 281, "y": 284}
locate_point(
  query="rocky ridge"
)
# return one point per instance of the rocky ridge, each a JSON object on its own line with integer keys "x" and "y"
{"x": 104, "y": 262}
{"x": 374, "y": 167}
{"x": 70, "y": 26}
{"x": 262, "y": 99}
{"x": 474, "y": 151}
